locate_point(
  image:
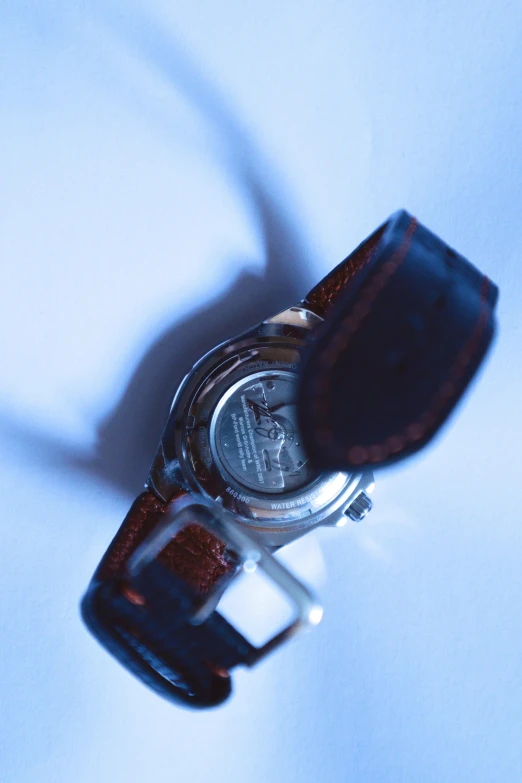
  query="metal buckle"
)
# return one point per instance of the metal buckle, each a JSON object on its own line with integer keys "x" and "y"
{"x": 252, "y": 555}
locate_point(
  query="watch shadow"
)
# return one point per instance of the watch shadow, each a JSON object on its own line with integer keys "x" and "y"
{"x": 128, "y": 435}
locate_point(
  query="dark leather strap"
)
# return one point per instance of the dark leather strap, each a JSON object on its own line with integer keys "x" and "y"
{"x": 409, "y": 321}
{"x": 321, "y": 299}
{"x": 195, "y": 555}
{"x": 143, "y": 622}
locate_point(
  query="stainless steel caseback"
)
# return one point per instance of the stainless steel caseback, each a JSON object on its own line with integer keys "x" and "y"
{"x": 232, "y": 435}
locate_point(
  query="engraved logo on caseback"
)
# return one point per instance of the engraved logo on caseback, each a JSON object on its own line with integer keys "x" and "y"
{"x": 255, "y": 438}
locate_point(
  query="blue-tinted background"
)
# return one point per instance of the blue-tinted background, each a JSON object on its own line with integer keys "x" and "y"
{"x": 169, "y": 174}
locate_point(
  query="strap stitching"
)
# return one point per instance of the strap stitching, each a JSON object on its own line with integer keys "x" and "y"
{"x": 443, "y": 396}
{"x": 352, "y": 323}
{"x": 323, "y": 296}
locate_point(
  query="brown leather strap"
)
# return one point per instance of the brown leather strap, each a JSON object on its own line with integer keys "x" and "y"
{"x": 195, "y": 555}
{"x": 323, "y": 296}
{"x": 412, "y": 326}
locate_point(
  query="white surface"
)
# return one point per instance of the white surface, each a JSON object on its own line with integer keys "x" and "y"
{"x": 166, "y": 179}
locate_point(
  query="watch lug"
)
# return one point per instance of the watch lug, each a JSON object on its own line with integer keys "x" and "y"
{"x": 298, "y": 316}
{"x": 165, "y": 476}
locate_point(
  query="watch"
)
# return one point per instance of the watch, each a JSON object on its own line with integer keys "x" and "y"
{"x": 232, "y": 439}
{"x": 244, "y": 465}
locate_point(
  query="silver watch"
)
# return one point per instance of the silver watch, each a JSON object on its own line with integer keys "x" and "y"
{"x": 233, "y": 436}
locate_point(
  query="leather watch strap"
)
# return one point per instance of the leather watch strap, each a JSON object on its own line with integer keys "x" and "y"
{"x": 322, "y": 298}
{"x": 139, "y": 621}
{"x": 194, "y": 555}
{"x": 409, "y": 323}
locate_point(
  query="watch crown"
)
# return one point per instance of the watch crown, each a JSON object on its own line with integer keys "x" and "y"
{"x": 359, "y": 507}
